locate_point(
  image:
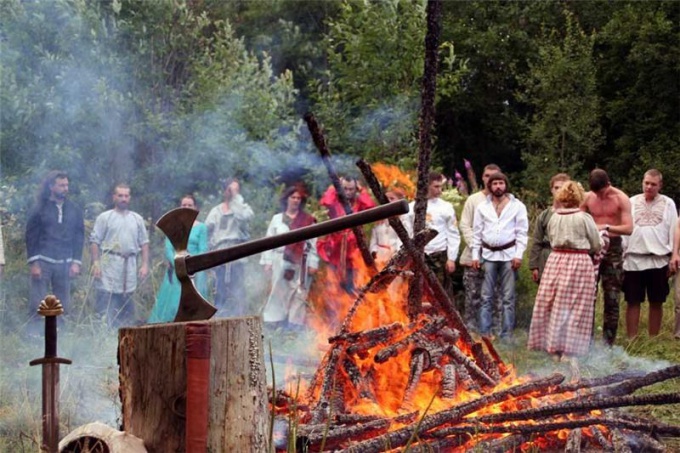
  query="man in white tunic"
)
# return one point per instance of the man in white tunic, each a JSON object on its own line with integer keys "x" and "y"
{"x": 647, "y": 253}
{"x": 499, "y": 240}
{"x": 118, "y": 236}
{"x": 442, "y": 251}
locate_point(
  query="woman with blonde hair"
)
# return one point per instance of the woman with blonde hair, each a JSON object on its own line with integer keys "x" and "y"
{"x": 562, "y": 320}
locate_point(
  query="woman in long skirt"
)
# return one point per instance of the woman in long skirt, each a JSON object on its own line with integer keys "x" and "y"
{"x": 562, "y": 320}
{"x": 286, "y": 303}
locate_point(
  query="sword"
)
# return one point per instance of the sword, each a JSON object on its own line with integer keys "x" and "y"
{"x": 50, "y": 308}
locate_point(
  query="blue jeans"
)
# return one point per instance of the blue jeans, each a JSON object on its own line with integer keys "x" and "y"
{"x": 501, "y": 272}
{"x": 230, "y": 290}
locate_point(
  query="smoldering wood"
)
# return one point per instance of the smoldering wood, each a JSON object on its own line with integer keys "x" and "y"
{"x": 475, "y": 371}
{"x": 619, "y": 442}
{"x": 323, "y": 407}
{"x": 502, "y": 445}
{"x": 395, "y": 348}
{"x": 336, "y": 435}
{"x": 499, "y": 364}
{"x": 448, "y": 381}
{"x": 360, "y": 383}
{"x": 400, "y": 437}
{"x": 661, "y": 429}
{"x": 601, "y": 439}
{"x": 381, "y": 333}
{"x": 416, "y": 368}
{"x": 465, "y": 379}
{"x": 153, "y": 379}
{"x": 631, "y": 385}
{"x": 320, "y": 142}
{"x": 437, "y": 445}
{"x": 580, "y": 404}
{"x": 598, "y": 381}
{"x": 574, "y": 441}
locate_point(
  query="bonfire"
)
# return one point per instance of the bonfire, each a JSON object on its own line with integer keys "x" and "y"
{"x": 394, "y": 379}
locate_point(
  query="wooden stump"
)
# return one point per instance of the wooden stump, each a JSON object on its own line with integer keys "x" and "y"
{"x": 153, "y": 379}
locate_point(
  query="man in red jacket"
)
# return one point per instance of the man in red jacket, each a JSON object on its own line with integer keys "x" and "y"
{"x": 340, "y": 249}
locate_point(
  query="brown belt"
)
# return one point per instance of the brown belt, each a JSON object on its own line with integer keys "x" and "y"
{"x": 559, "y": 250}
{"x": 498, "y": 248}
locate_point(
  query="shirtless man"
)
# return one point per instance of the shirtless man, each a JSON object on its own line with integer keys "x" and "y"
{"x": 611, "y": 210}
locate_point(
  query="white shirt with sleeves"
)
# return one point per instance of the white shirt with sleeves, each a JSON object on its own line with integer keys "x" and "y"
{"x": 441, "y": 217}
{"x": 494, "y": 230}
{"x": 651, "y": 243}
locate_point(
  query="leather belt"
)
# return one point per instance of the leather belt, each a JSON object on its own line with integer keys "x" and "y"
{"x": 498, "y": 248}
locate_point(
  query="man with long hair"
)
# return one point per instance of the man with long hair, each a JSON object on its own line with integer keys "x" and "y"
{"x": 54, "y": 241}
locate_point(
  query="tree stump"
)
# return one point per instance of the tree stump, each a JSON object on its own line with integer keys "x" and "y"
{"x": 153, "y": 385}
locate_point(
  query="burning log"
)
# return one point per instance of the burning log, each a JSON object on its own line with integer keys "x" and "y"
{"x": 467, "y": 381}
{"x": 417, "y": 366}
{"x": 320, "y": 143}
{"x": 581, "y": 405}
{"x": 476, "y": 372}
{"x": 360, "y": 384}
{"x": 378, "y": 335}
{"x": 454, "y": 414}
{"x": 395, "y": 348}
{"x": 324, "y": 407}
{"x": 448, "y": 381}
{"x": 574, "y": 441}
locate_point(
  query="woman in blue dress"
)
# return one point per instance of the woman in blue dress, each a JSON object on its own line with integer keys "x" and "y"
{"x": 167, "y": 300}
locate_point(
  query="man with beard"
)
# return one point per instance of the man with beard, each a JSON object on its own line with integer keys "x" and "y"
{"x": 473, "y": 278}
{"x": 54, "y": 242}
{"x": 228, "y": 226}
{"x": 499, "y": 239}
{"x": 118, "y": 236}
{"x": 611, "y": 210}
{"x": 340, "y": 249}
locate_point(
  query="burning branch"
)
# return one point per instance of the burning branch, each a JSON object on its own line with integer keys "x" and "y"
{"x": 320, "y": 143}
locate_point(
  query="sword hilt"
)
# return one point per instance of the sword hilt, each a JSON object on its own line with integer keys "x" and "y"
{"x": 50, "y": 308}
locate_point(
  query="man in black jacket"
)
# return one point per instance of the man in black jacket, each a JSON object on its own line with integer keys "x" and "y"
{"x": 54, "y": 241}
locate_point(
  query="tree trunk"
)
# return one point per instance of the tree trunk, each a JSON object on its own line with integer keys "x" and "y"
{"x": 153, "y": 385}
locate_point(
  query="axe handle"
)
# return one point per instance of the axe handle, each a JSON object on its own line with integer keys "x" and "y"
{"x": 217, "y": 257}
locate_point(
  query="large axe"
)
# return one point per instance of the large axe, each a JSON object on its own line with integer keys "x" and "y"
{"x": 176, "y": 225}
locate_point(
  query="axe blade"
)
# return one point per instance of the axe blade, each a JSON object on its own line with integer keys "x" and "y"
{"x": 176, "y": 224}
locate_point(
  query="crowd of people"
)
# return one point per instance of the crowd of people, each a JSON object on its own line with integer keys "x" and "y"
{"x": 630, "y": 245}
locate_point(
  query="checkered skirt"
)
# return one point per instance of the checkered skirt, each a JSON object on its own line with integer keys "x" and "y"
{"x": 562, "y": 321}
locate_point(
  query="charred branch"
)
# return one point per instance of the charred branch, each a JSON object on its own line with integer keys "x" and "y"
{"x": 454, "y": 414}
{"x": 320, "y": 142}
{"x": 476, "y": 372}
{"x": 581, "y": 404}
{"x": 631, "y": 385}
{"x": 598, "y": 381}
{"x": 417, "y": 366}
{"x": 395, "y": 348}
{"x": 360, "y": 383}
{"x": 448, "y": 381}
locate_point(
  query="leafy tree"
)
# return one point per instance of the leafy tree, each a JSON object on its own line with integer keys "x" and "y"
{"x": 563, "y": 126}
{"x": 638, "y": 67}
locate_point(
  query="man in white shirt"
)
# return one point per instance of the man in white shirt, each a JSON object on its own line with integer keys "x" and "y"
{"x": 499, "y": 239}
{"x": 675, "y": 268}
{"x": 647, "y": 253}
{"x": 473, "y": 278}
{"x": 442, "y": 251}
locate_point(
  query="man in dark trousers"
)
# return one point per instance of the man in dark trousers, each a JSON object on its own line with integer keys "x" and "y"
{"x": 54, "y": 241}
